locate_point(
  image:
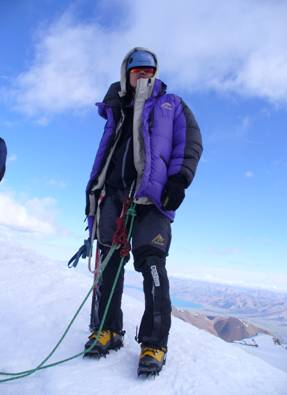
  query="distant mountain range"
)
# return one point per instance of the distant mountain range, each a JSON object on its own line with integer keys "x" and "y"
{"x": 227, "y": 328}
{"x": 238, "y": 300}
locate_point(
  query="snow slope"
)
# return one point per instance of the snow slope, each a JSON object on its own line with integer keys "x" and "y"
{"x": 37, "y": 299}
{"x": 274, "y": 354}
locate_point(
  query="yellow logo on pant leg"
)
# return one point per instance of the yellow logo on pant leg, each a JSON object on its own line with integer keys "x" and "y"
{"x": 159, "y": 240}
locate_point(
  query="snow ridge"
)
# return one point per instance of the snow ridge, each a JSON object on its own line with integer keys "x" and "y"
{"x": 39, "y": 297}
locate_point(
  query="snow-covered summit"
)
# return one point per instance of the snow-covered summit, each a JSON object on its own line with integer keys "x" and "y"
{"x": 38, "y": 298}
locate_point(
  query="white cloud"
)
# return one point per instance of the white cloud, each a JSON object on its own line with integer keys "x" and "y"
{"x": 249, "y": 174}
{"x": 32, "y": 216}
{"x": 71, "y": 68}
{"x": 12, "y": 158}
{"x": 236, "y": 46}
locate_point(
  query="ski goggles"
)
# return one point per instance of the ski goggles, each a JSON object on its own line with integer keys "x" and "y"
{"x": 144, "y": 70}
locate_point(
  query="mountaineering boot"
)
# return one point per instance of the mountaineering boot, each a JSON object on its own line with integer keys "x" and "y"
{"x": 151, "y": 360}
{"x": 107, "y": 340}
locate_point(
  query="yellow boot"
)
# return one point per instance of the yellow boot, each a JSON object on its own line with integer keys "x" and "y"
{"x": 107, "y": 340}
{"x": 151, "y": 360}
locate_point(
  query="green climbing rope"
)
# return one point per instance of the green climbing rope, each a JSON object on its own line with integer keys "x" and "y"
{"x": 130, "y": 213}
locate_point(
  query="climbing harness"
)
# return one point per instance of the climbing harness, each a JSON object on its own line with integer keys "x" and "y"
{"x": 120, "y": 236}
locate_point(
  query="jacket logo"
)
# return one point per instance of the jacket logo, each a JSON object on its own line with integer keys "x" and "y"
{"x": 167, "y": 106}
{"x": 159, "y": 240}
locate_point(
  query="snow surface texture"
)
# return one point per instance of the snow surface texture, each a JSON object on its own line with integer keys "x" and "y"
{"x": 38, "y": 298}
{"x": 274, "y": 354}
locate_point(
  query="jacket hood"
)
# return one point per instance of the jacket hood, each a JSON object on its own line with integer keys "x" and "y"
{"x": 123, "y": 90}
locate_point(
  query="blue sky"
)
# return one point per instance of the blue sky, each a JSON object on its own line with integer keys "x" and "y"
{"x": 229, "y": 64}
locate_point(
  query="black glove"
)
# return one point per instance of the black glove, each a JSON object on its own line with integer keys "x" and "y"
{"x": 84, "y": 251}
{"x": 173, "y": 193}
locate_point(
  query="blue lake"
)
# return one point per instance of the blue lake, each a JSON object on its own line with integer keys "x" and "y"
{"x": 184, "y": 304}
